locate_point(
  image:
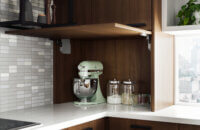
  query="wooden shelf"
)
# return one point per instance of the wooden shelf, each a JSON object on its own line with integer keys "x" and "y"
{"x": 83, "y": 31}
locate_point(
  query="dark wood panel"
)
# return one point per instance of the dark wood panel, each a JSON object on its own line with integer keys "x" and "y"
{"x": 83, "y": 11}
{"x": 61, "y": 11}
{"x": 122, "y": 11}
{"x": 156, "y": 125}
{"x": 188, "y": 127}
{"x": 94, "y": 125}
{"x": 129, "y": 124}
{"x": 65, "y": 69}
{"x": 119, "y": 124}
{"x": 140, "y": 12}
{"x": 105, "y": 11}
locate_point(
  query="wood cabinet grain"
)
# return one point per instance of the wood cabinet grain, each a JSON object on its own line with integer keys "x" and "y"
{"x": 106, "y": 11}
{"x": 83, "y": 12}
{"x": 93, "y": 125}
{"x": 188, "y": 127}
{"x": 128, "y": 124}
{"x": 131, "y": 124}
{"x": 122, "y": 11}
{"x": 141, "y": 12}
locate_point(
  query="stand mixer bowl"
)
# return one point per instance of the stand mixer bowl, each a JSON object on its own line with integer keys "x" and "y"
{"x": 85, "y": 88}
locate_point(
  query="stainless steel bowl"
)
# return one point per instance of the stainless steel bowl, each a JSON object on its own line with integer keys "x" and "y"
{"x": 85, "y": 89}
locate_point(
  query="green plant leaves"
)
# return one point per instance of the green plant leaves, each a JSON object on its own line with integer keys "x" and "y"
{"x": 186, "y": 21}
{"x": 186, "y": 14}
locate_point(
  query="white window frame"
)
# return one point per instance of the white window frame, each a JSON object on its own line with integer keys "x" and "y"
{"x": 176, "y": 85}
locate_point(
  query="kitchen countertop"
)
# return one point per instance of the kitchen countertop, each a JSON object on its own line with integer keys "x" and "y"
{"x": 66, "y": 115}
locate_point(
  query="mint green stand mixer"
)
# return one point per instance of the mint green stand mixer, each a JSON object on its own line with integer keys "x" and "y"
{"x": 87, "y": 88}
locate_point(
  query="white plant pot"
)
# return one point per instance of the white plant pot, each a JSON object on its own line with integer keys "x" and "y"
{"x": 197, "y": 16}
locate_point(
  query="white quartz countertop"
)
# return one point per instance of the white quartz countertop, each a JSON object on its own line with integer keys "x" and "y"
{"x": 66, "y": 115}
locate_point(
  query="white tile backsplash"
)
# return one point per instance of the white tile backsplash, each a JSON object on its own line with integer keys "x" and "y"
{"x": 26, "y": 64}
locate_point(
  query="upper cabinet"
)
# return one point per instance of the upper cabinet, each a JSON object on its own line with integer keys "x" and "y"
{"x": 141, "y": 12}
{"x": 170, "y": 21}
{"x": 83, "y": 12}
{"x": 111, "y": 11}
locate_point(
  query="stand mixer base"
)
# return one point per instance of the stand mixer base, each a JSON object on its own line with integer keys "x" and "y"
{"x": 87, "y": 103}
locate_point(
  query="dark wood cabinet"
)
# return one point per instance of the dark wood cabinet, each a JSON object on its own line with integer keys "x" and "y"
{"x": 188, "y": 127}
{"x": 128, "y": 124}
{"x": 93, "y": 125}
{"x": 118, "y": 124}
{"x": 83, "y": 12}
{"x": 122, "y": 11}
{"x": 131, "y": 124}
{"x": 141, "y": 12}
{"x": 108, "y": 11}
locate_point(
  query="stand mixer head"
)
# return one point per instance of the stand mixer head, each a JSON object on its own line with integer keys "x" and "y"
{"x": 89, "y": 71}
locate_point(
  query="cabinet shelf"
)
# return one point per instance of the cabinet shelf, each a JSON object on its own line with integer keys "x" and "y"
{"x": 106, "y": 30}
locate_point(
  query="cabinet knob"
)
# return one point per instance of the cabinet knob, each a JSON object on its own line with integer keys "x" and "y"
{"x": 89, "y": 128}
{"x": 140, "y": 127}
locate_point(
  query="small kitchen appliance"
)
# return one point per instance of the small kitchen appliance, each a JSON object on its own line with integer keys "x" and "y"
{"x": 87, "y": 88}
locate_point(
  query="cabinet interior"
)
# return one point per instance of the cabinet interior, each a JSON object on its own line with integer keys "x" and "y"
{"x": 122, "y": 59}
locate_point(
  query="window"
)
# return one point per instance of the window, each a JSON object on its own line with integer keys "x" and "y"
{"x": 187, "y": 57}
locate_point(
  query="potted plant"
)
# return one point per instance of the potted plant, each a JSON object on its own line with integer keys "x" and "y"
{"x": 189, "y": 13}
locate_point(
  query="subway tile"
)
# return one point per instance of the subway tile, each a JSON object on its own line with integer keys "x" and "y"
{"x": 26, "y": 64}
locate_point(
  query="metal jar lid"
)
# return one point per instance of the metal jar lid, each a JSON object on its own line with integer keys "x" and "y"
{"x": 129, "y": 82}
{"x": 114, "y": 81}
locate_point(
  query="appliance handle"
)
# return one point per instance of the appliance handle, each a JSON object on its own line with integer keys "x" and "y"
{"x": 89, "y": 128}
{"x": 140, "y": 127}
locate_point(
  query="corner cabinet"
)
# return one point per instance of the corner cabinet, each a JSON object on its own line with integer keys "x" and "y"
{"x": 131, "y": 124}
{"x": 123, "y": 52}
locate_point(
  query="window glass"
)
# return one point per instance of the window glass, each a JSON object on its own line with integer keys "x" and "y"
{"x": 187, "y": 52}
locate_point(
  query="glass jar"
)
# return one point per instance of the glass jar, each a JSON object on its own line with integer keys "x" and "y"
{"x": 127, "y": 92}
{"x": 113, "y": 92}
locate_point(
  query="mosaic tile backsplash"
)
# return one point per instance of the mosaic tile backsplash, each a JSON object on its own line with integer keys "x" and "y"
{"x": 26, "y": 65}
